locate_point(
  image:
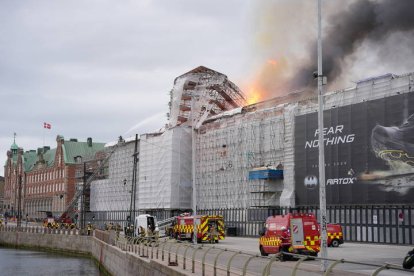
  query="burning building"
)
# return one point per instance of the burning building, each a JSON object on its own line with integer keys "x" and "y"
{"x": 164, "y": 169}
{"x": 263, "y": 156}
{"x": 279, "y": 139}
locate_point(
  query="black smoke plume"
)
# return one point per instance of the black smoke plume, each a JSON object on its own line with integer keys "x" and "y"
{"x": 362, "y": 21}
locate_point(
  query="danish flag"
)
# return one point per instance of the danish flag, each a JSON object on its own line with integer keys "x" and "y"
{"x": 47, "y": 125}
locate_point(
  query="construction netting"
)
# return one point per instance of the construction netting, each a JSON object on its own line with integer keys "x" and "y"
{"x": 165, "y": 170}
{"x": 113, "y": 193}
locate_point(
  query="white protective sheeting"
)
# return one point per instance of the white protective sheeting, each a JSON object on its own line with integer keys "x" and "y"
{"x": 165, "y": 170}
{"x": 228, "y": 148}
{"x": 113, "y": 193}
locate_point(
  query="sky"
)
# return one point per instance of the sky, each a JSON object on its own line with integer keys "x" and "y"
{"x": 104, "y": 68}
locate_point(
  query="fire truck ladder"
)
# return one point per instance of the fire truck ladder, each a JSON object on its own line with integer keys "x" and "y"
{"x": 164, "y": 224}
{"x": 71, "y": 210}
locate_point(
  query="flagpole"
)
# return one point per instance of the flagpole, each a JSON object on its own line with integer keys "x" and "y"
{"x": 43, "y": 135}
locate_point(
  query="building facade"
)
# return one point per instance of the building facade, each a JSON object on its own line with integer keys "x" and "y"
{"x": 2, "y": 207}
{"x": 164, "y": 169}
{"x": 44, "y": 180}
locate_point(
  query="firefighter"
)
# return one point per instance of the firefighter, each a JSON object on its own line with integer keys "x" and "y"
{"x": 212, "y": 233}
{"x": 89, "y": 228}
{"x": 142, "y": 231}
{"x": 118, "y": 230}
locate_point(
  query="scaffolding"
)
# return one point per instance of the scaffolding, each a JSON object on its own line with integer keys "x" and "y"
{"x": 164, "y": 180}
{"x": 232, "y": 140}
{"x": 113, "y": 192}
{"x": 228, "y": 148}
{"x": 202, "y": 93}
{"x": 261, "y": 137}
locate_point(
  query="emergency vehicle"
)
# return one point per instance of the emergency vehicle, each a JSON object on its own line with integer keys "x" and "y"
{"x": 63, "y": 222}
{"x": 146, "y": 226}
{"x": 291, "y": 233}
{"x": 335, "y": 235}
{"x": 209, "y": 228}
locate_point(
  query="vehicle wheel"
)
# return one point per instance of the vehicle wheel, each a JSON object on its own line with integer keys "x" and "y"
{"x": 216, "y": 241}
{"x": 262, "y": 252}
{"x": 335, "y": 243}
{"x": 285, "y": 257}
{"x": 199, "y": 240}
{"x": 314, "y": 254}
{"x": 408, "y": 262}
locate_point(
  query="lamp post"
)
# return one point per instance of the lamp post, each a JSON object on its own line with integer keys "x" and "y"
{"x": 83, "y": 198}
{"x": 321, "y": 147}
{"x": 86, "y": 175}
{"x": 19, "y": 202}
{"x": 134, "y": 186}
{"x": 193, "y": 156}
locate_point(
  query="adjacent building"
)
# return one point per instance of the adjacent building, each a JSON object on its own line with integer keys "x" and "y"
{"x": 2, "y": 195}
{"x": 44, "y": 180}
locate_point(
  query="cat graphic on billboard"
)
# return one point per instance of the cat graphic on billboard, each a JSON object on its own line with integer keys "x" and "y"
{"x": 395, "y": 145}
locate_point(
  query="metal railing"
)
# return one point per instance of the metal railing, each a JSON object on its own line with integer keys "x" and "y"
{"x": 176, "y": 253}
{"x": 206, "y": 259}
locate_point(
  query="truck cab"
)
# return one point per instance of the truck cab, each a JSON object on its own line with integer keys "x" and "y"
{"x": 335, "y": 234}
{"x": 146, "y": 226}
{"x": 293, "y": 233}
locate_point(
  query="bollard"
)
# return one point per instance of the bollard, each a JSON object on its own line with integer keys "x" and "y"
{"x": 215, "y": 260}
{"x": 229, "y": 262}
{"x": 176, "y": 252}
{"x": 246, "y": 263}
{"x": 152, "y": 249}
{"x": 162, "y": 251}
{"x": 266, "y": 270}
{"x": 169, "y": 255}
{"x": 148, "y": 242}
{"x": 295, "y": 268}
{"x": 378, "y": 270}
{"x": 193, "y": 259}
{"x": 185, "y": 253}
{"x": 329, "y": 270}
{"x": 203, "y": 260}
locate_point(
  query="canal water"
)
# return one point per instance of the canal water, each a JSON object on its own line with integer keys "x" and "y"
{"x": 27, "y": 262}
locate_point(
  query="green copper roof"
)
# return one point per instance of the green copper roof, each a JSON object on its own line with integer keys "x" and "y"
{"x": 29, "y": 159}
{"x": 14, "y": 146}
{"x": 72, "y": 149}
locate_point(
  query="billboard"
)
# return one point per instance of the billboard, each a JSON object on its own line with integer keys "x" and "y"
{"x": 369, "y": 153}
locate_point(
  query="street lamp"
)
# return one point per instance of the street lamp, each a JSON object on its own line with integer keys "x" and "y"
{"x": 193, "y": 121}
{"x": 321, "y": 147}
{"x": 19, "y": 202}
{"x": 86, "y": 175}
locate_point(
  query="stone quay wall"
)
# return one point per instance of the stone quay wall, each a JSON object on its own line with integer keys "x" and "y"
{"x": 110, "y": 259}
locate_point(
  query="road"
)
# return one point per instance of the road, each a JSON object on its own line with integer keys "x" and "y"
{"x": 378, "y": 254}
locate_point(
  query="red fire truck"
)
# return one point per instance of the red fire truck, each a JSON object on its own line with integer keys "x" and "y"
{"x": 209, "y": 228}
{"x": 335, "y": 235}
{"x": 292, "y": 233}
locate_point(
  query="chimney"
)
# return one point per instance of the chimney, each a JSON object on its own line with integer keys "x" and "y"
{"x": 89, "y": 142}
{"x": 45, "y": 149}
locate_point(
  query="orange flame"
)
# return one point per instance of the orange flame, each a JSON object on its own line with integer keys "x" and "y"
{"x": 272, "y": 61}
{"x": 254, "y": 94}
{"x": 267, "y": 81}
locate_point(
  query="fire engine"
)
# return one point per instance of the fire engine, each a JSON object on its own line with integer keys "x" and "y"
{"x": 291, "y": 233}
{"x": 62, "y": 222}
{"x": 146, "y": 226}
{"x": 335, "y": 234}
{"x": 209, "y": 228}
